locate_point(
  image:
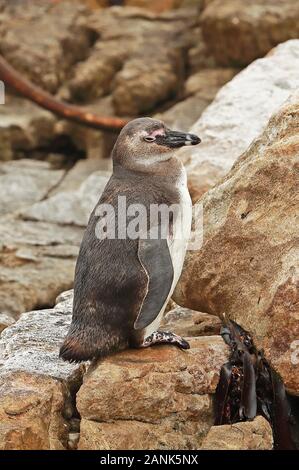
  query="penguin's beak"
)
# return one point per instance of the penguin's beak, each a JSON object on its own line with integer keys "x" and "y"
{"x": 174, "y": 139}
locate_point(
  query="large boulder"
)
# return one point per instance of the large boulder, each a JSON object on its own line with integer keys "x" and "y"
{"x": 239, "y": 113}
{"x": 157, "y": 398}
{"x": 248, "y": 266}
{"x": 238, "y": 32}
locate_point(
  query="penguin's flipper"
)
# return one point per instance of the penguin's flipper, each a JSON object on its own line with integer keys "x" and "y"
{"x": 155, "y": 258}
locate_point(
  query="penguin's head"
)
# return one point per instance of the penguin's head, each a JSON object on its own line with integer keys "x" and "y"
{"x": 146, "y": 141}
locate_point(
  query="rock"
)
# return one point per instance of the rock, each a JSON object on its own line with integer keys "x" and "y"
{"x": 39, "y": 242}
{"x": 250, "y": 435}
{"x": 80, "y": 172}
{"x": 5, "y": 321}
{"x": 206, "y": 83}
{"x": 94, "y": 143}
{"x": 198, "y": 56}
{"x": 23, "y": 127}
{"x": 94, "y": 3}
{"x": 186, "y": 322}
{"x": 248, "y": 264}
{"x": 44, "y": 58}
{"x": 37, "y": 262}
{"x": 70, "y": 207}
{"x": 36, "y": 388}
{"x": 157, "y": 398}
{"x": 185, "y": 113}
{"x": 138, "y": 85}
{"x": 93, "y": 77}
{"x": 237, "y": 33}
{"x": 251, "y": 97}
{"x": 158, "y": 6}
{"x": 163, "y": 393}
{"x": 24, "y": 182}
{"x": 200, "y": 90}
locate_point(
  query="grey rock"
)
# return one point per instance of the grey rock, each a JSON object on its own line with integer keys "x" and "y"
{"x": 70, "y": 207}
{"x": 23, "y": 126}
{"x": 24, "y": 182}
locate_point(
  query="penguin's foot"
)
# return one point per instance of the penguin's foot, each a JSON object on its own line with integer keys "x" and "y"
{"x": 165, "y": 337}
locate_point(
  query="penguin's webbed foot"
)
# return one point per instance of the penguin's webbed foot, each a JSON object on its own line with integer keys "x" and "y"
{"x": 165, "y": 337}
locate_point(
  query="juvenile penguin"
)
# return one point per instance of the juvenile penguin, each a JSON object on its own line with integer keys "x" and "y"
{"x": 123, "y": 283}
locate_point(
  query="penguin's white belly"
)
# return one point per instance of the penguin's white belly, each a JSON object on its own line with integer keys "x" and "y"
{"x": 177, "y": 244}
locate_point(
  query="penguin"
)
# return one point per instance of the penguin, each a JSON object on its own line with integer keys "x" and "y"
{"x": 123, "y": 283}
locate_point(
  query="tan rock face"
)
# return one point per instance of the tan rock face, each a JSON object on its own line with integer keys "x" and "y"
{"x": 157, "y": 398}
{"x": 250, "y": 435}
{"x": 250, "y": 98}
{"x": 36, "y": 388}
{"x": 5, "y": 321}
{"x": 238, "y": 32}
{"x": 45, "y": 58}
{"x": 158, "y": 6}
{"x": 146, "y": 64}
{"x": 248, "y": 265}
{"x": 186, "y": 322}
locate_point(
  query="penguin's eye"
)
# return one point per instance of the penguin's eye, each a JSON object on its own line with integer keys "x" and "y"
{"x": 149, "y": 138}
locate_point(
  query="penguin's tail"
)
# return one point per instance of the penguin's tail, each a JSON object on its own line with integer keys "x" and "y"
{"x": 71, "y": 350}
{"x": 90, "y": 343}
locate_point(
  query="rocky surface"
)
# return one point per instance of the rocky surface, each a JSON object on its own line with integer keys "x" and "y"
{"x": 157, "y": 398}
{"x": 186, "y": 322}
{"x": 248, "y": 264}
{"x": 94, "y": 60}
{"x": 138, "y": 85}
{"x": 162, "y": 393}
{"x": 250, "y": 435}
{"x": 199, "y": 91}
{"x": 238, "y": 114}
{"x": 41, "y": 227}
{"x": 163, "y": 5}
{"x": 24, "y": 182}
{"x": 70, "y": 207}
{"x": 5, "y": 321}
{"x": 44, "y": 58}
{"x": 36, "y": 388}
{"x": 23, "y": 127}
{"x": 238, "y": 32}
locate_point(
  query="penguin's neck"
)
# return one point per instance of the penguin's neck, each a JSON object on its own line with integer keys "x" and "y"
{"x": 170, "y": 170}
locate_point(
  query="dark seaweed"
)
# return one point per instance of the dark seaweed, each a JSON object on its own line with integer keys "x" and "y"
{"x": 248, "y": 387}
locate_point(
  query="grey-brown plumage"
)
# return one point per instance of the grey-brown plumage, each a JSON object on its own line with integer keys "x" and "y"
{"x": 121, "y": 285}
